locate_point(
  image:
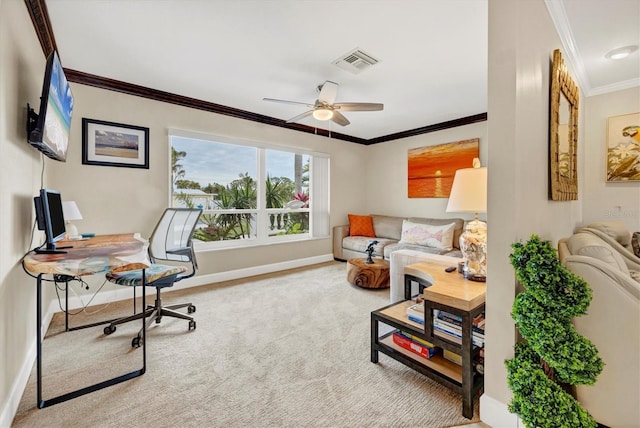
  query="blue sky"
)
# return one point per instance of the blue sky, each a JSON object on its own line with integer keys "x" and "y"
{"x": 208, "y": 162}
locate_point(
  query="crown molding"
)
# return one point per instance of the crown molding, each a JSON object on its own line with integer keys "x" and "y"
{"x": 480, "y": 117}
{"x": 167, "y": 97}
{"x": 618, "y": 86}
{"x": 561, "y": 22}
{"x": 42, "y": 25}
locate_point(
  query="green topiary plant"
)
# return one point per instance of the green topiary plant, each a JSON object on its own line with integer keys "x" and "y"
{"x": 552, "y": 351}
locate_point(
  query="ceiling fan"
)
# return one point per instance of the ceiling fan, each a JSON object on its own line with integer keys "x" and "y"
{"x": 325, "y": 107}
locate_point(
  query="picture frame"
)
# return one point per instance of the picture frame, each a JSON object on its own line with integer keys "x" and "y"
{"x": 623, "y": 148}
{"x": 430, "y": 169}
{"x": 114, "y": 144}
{"x": 563, "y": 133}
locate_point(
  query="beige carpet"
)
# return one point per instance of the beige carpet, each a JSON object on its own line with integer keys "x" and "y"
{"x": 282, "y": 350}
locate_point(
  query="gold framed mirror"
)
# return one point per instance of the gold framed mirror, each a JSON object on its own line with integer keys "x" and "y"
{"x": 563, "y": 136}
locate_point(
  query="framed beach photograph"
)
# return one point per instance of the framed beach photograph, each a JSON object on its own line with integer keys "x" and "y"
{"x": 430, "y": 170}
{"x": 114, "y": 144}
{"x": 623, "y": 148}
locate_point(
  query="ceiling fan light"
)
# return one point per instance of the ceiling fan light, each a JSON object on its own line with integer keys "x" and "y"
{"x": 322, "y": 114}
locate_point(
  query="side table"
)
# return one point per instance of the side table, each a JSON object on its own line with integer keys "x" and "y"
{"x": 375, "y": 275}
{"x": 443, "y": 291}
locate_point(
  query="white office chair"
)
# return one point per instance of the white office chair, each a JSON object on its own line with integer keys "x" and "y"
{"x": 173, "y": 259}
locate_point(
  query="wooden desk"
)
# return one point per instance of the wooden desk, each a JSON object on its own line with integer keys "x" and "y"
{"x": 96, "y": 255}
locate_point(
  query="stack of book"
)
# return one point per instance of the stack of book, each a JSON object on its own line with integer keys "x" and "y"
{"x": 414, "y": 344}
{"x": 415, "y": 313}
{"x": 447, "y": 325}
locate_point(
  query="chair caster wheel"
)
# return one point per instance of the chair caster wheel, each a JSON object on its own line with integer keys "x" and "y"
{"x": 192, "y": 325}
{"x": 136, "y": 342}
{"x": 191, "y": 309}
{"x": 109, "y": 329}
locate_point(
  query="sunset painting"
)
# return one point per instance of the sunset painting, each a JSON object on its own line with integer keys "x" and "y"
{"x": 431, "y": 169}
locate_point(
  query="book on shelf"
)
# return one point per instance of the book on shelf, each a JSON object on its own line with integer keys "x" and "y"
{"x": 455, "y": 338}
{"x": 477, "y": 323}
{"x": 452, "y": 356}
{"x": 416, "y": 313}
{"x": 447, "y": 325}
{"x": 455, "y": 329}
{"x": 410, "y": 345}
{"x": 478, "y": 361}
{"x": 417, "y": 339}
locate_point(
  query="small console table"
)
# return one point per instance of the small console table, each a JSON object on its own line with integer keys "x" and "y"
{"x": 448, "y": 292}
{"x": 96, "y": 255}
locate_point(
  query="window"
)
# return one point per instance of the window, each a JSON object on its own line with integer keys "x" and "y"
{"x": 250, "y": 193}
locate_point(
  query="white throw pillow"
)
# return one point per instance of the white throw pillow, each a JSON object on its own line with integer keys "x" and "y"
{"x": 428, "y": 235}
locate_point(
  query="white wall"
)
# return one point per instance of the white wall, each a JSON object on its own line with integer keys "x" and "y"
{"x": 521, "y": 43}
{"x": 21, "y": 69}
{"x": 607, "y": 201}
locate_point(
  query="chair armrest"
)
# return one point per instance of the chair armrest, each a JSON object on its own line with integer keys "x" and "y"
{"x": 339, "y": 232}
{"x": 180, "y": 251}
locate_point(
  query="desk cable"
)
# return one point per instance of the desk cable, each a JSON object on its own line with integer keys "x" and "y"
{"x": 66, "y": 279}
{"x": 58, "y": 279}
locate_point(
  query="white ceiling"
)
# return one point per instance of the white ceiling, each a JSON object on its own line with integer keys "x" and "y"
{"x": 433, "y": 53}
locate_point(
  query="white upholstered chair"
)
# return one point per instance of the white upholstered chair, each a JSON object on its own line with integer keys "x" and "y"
{"x": 612, "y": 323}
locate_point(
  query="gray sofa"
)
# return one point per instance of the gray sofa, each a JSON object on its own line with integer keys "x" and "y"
{"x": 388, "y": 230}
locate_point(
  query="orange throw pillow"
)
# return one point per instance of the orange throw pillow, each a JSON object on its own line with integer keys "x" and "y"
{"x": 361, "y": 225}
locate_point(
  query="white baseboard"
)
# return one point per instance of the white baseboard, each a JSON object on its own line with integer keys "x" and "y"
{"x": 252, "y": 271}
{"x": 8, "y": 409}
{"x": 496, "y": 414}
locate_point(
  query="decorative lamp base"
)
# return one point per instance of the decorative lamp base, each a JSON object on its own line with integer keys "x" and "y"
{"x": 473, "y": 244}
{"x": 72, "y": 231}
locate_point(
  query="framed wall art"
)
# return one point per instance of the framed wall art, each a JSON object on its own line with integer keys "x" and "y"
{"x": 430, "y": 170}
{"x": 563, "y": 133}
{"x": 114, "y": 144}
{"x": 623, "y": 148}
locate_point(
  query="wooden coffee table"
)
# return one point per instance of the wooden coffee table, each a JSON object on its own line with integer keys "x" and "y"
{"x": 375, "y": 275}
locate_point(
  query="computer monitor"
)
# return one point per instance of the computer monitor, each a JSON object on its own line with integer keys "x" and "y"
{"x": 50, "y": 218}
{"x": 49, "y": 130}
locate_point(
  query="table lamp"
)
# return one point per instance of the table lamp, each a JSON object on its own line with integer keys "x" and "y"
{"x": 469, "y": 194}
{"x": 71, "y": 212}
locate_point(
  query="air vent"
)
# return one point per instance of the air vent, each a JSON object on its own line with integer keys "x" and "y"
{"x": 355, "y": 61}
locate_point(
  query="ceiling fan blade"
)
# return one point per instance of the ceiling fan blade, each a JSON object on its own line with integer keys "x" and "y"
{"x": 339, "y": 118}
{"x": 358, "y": 106}
{"x": 300, "y": 116}
{"x": 273, "y": 100}
{"x": 328, "y": 92}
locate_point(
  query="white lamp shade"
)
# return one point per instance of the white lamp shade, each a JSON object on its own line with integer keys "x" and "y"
{"x": 70, "y": 211}
{"x": 469, "y": 191}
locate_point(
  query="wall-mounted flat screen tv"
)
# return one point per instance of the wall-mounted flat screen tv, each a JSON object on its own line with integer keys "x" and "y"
{"x": 49, "y": 129}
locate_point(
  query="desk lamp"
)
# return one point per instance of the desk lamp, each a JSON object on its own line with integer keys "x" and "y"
{"x": 469, "y": 194}
{"x": 71, "y": 212}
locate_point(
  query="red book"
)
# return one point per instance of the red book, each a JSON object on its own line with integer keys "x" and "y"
{"x": 416, "y": 348}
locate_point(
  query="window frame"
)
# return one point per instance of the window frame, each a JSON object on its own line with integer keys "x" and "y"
{"x": 318, "y": 193}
